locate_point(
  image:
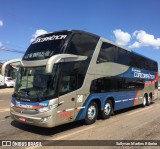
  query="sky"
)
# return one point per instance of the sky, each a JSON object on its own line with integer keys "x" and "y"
{"x": 133, "y": 24}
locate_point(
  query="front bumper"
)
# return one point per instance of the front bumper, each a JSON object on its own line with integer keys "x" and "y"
{"x": 10, "y": 84}
{"x": 45, "y": 119}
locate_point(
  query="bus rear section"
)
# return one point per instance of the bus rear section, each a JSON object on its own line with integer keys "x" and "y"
{"x": 120, "y": 78}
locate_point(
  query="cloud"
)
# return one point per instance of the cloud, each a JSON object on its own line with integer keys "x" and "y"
{"x": 122, "y": 38}
{"x": 0, "y": 44}
{"x": 145, "y": 39}
{"x": 1, "y": 23}
{"x": 2, "y": 47}
{"x": 38, "y": 33}
{"x": 136, "y": 44}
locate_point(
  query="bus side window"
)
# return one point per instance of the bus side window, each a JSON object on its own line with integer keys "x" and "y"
{"x": 97, "y": 86}
{"x": 82, "y": 44}
{"x": 67, "y": 84}
{"x": 107, "y": 53}
{"x": 114, "y": 84}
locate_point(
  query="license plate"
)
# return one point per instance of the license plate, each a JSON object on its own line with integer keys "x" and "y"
{"x": 22, "y": 119}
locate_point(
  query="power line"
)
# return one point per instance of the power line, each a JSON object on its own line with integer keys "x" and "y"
{"x": 12, "y": 50}
{"x": 12, "y": 44}
{"x": 2, "y": 60}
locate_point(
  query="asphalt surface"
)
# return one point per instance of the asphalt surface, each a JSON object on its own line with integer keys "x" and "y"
{"x": 130, "y": 124}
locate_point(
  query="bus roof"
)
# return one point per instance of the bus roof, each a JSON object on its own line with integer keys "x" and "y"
{"x": 73, "y": 31}
{"x": 102, "y": 38}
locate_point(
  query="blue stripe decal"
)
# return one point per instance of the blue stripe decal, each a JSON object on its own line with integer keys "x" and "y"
{"x": 42, "y": 103}
{"x": 122, "y": 100}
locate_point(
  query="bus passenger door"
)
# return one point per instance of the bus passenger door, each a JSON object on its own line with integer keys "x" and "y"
{"x": 67, "y": 97}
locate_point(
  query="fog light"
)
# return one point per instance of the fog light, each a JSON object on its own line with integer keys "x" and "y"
{"x": 45, "y": 119}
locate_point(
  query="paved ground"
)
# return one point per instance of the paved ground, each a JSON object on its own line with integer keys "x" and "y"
{"x": 130, "y": 124}
{"x": 6, "y": 90}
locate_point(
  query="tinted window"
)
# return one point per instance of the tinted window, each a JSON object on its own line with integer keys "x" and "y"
{"x": 143, "y": 63}
{"x": 82, "y": 44}
{"x": 124, "y": 57}
{"x": 111, "y": 53}
{"x": 67, "y": 83}
{"x": 107, "y": 53}
{"x": 108, "y": 84}
{"x": 46, "y": 46}
{"x": 72, "y": 76}
{"x": 9, "y": 79}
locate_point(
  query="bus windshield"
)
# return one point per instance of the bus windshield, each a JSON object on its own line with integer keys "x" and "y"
{"x": 33, "y": 84}
{"x": 45, "y": 46}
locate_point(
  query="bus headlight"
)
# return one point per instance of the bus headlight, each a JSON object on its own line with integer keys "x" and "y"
{"x": 45, "y": 109}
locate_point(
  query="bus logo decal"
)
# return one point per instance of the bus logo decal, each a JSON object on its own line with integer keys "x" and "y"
{"x": 65, "y": 114}
{"x": 54, "y": 37}
{"x": 139, "y": 74}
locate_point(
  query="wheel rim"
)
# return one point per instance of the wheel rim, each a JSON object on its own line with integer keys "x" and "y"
{"x": 144, "y": 101}
{"x": 107, "y": 109}
{"x": 91, "y": 112}
{"x": 149, "y": 100}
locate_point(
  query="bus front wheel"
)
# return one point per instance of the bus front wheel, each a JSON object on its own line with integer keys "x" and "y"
{"x": 91, "y": 114}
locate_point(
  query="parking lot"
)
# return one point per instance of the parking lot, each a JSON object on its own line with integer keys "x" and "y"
{"x": 6, "y": 90}
{"x": 131, "y": 124}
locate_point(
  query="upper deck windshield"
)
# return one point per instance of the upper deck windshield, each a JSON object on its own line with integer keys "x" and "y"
{"x": 46, "y": 46}
{"x": 33, "y": 84}
{"x": 70, "y": 42}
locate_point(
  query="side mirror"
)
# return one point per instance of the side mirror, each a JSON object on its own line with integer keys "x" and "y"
{"x": 9, "y": 62}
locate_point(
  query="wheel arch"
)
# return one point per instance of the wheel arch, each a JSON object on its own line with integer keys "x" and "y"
{"x": 146, "y": 95}
{"x": 98, "y": 102}
{"x": 82, "y": 114}
{"x": 151, "y": 94}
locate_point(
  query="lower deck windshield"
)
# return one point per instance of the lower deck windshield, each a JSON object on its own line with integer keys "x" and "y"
{"x": 34, "y": 84}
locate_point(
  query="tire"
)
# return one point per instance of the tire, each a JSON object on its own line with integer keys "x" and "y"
{"x": 5, "y": 85}
{"x": 91, "y": 114}
{"x": 144, "y": 101}
{"x": 149, "y": 100}
{"x": 107, "y": 110}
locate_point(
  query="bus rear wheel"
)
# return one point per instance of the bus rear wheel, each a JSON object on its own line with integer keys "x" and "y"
{"x": 91, "y": 114}
{"x": 144, "y": 102}
{"x": 149, "y": 100}
{"x": 107, "y": 110}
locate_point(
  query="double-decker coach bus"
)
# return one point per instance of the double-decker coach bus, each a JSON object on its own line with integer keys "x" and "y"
{"x": 72, "y": 75}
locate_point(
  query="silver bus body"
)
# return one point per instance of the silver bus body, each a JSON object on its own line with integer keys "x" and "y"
{"x": 104, "y": 80}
